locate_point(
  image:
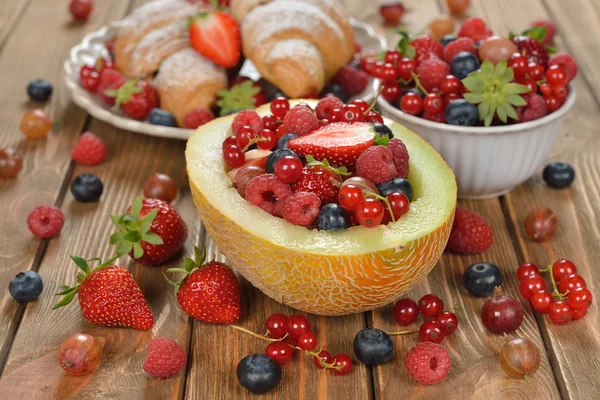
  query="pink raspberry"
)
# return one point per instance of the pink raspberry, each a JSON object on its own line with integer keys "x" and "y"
{"x": 268, "y": 193}
{"x": 567, "y": 62}
{"x": 458, "y": 46}
{"x": 300, "y": 120}
{"x": 165, "y": 358}
{"x": 536, "y": 108}
{"x": 197, "y": 117}
{"x": 432, "y": 73}
{"x": 326, "y": 106}
{"x": 550, "y": 30}
{"x": 247, "y": 118}
{"x": 376, "y": 164}
{"x": 428, "y": 363}
{"x": 426, "y": 46}
{"x": 89, "y": 150}
{"x": 46, "y": 221}
{"x": 352, "y": 80}
{"x": 400, "y": 157}
{"x": 301, "y": 208}
{"x": 474, "y": 28}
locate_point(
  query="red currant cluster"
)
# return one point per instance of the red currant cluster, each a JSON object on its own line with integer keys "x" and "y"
{"x": 569, "y": 299}
{"x": 370, "y": 208}
{"x": 289, "y": 335}
{"x": 437, "y": 324}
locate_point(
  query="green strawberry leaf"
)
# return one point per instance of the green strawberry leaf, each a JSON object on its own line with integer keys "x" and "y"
{"x": 510, "y": 110}
{"x": 381, "y": 140}
{"x": 237, "y": 98}
{"x": 152, "y": 238}
{"x": 473, "y": 98}
{"x": 136, "y": 207}
{"x": 81, "y": 264}
{"x": 516, "y": 100}
{"x": 65, "y": 300}
{"x": 132, "y": 236}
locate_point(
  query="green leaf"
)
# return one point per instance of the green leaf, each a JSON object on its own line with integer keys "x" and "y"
{"x": 381, "y": 140}
{"x": 501, "y": 69}
{"x": 147, "y": 220}
{"x": 551, "y": 49}
{"x": 67, "y": 290}
{"x": 175, "y": 270}
{"x": 171, "y": 282}
{"x": 132, "y": 236}
{"x": 124, "y": 247}
{"x": 509, "y": 76}
{"x": 483, "y": 109}
{"x": 410, "y": 52}
{"x": 136, "y": 207}
{"x": 65, "y": 300}
{"x": 510, "y": 110}
{"x": 487, "y": 70}
{"x": 536, "y": 32}
{"x": 473, "y": 98}
{"x": 152, "y": 238}
{"x": 116, "y": 238}
{"x": 116, "y": 219}
{"x": 188, "y": 264}
{"x": 490, "y": 115}
{"x": 199, "y": 255}
{"x": 237, "y": 98}
{"x": 516, "y": 100}
{"x": 473, "y": 84}
{"x": 502, "y": 114}
{"x": 515, "y": 88}
{"x": 138, "y": 252}
{"x": 81, "y": 264}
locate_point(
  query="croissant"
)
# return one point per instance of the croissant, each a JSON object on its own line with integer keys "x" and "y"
{"x": 297, "y": 45}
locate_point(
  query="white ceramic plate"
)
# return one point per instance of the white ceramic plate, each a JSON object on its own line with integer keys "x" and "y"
{"x": 92, "y": 47}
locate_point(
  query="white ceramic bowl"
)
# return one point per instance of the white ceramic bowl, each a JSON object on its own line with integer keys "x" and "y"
{"x": 488, "y": 162}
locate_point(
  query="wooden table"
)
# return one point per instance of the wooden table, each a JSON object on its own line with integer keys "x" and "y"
{"x": 35, "y": 38}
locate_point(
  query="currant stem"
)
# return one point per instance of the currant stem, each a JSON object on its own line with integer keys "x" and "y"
{"x": 256, "y": 335}
{"x": 385, "y": 200}
{"x": 555, "y": 292}
{"x": 402, "y": 332}
{"x": 418, "y": 83}
{"x": 372, "y": 106}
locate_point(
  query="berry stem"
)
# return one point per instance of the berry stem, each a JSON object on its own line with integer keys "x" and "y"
{"x": 555, "y": 292}
{"x": 256, "y": 335}
{"x": 402, "y": 332}
{"x": 385, "y": 200}
{"x": 418, "y": 83}
{"x": 374, "y": 103}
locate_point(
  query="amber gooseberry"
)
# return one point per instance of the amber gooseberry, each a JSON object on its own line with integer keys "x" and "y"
{"x": 519, "y": 358}
{"x": 541, "y": 224}
{"x": 35, "y": 124}
{"x": 11, "y": 163}
{"x": 80, "y": 354}
{"x": 496, "y": 49}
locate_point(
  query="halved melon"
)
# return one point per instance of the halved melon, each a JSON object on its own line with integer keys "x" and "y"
{"x": 323, "y": 272}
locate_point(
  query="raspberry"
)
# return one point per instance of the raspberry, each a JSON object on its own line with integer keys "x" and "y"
{"x": 400, "y": 157}
{"x": 470, "y": 233}
{"x": 45, "y": 221}
{"x": 536, "y": 108}
{"x": 441, "y": 117}
{"x": 428, "y": 363}
{"x": 300, "y": 120}
{"x": 458, "y": 46}
{"x": 376, "y": 164}
{"x": 247, "y": 118}
{"x": 550, "y": 30}
{"x": 89, "y": 150}
{"x": 165, "y": 358}
{"x": 426, "y": 46}
{"x": 326, "y": 107}
{"x": 353, "y": 81}
{"x": 301, "y": 208}
{"x": 268, "y": 193}
{"x": 474, "y": 28}
{"x": 567, "y": 62}
{"x": 432, "y": 73}
{"x": 532, "y": 49}
{"x": 197, "y": 117}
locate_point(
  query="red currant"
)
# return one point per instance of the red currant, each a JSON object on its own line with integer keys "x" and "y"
{"x": 369, "y": 213}
{"x": 536, "y": 71}
{"x": 562, "y": 269}
{"x": 279, "y": 352}
{"x": 297, "y": 325}
{"x": 244, "y": 135}
{"x": 433, "y": 104}
{"x": 293, "y": 344}
{"x": 560, "y": 93}
{"x": 280, "y": 107}
{"x": 11, "y": 163}
{"x": 276, "y": 325}
{"x": 391, "y": 91}
{"x": 527, "y": 269}
{"x": 449, "y": 321}
{"x": 378, "y": 69}
{"x": 519, "y": 64}
{"x": 389, "y": 72}
{"x": 336, "y": 115}
{"x": 399, "y": 204}
{"x": 307, "y": 341}
{"x": 552, "y": 103}
{"x": 323, "y": 358}
{"x": 556, "y": 76}
{"x": 530, "y": 83}
{"x": 374, "y": 118}
{"x": 406, "y": 312}
{"x": 411, "y": 103}
{"x": 288, "y": 169}
{"x": 431, "y": 331}
{"x": 363, "y": 105}
{"x": 267, "y": 141}
{"x": 234, "y": 157}
{"x": 229, "y": 141}
{"x": 86, "y": 71}
{"x": 406, "y": 68}
{"x": 431, "y": 306}
{"x": 546, "y": 89}
{"x": 90, "y": 82}
{"x": 580, "y": 299}
{"x": 542, "y": 301}
{"x": 271, "y": 122}
{"x": 449, "y": 98}
{"x": 342, "y": 364}
{"x": 571, "y": 283}
{"x": 578, "y": 314}
{"x": 350, "y": 197}
{"x": 392, "y": 57}
{"x": 451, "y": 85}
{"x": 561, "y": 313}
{"x": 352, "y": 113}
{"x": 530, "y": 285}
{"x": 280, "y": 132}
{"x": 81, "y": 9}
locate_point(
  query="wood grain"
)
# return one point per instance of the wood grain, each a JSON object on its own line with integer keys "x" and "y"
{"x": 10, "y": 10}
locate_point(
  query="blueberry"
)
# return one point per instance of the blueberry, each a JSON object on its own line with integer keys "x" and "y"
{"x": 39, "y": 90}
{"x": 463, "y": 64}
{"x": 447, "y": 39}
{"x": 383, "y": 130}
{"x": 332, "y": 218}
{"x": 396, "y": 185}
{"x": 481, "y": 278}
{"x": 87, "y": 188}
{"x": 258, "y": 373}
{"x": 275, "y": 156}
{"x": 26, "y": 286}
{"x": 373, "y": 346}
{"x": 282, "y": 142}
{"x": 161, "y": 117}
{"x": 335, "y": 90}
{"x": 461, "y": 112}
{"x": 559, "y": 175}
{"x": 416, "y": 91}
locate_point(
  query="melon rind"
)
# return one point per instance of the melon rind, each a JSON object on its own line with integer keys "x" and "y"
{"x": 321, "y": 272}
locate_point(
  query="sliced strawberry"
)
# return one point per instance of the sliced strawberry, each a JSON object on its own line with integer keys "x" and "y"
{"x": 340, "y": 143}
{"x": 216, "y": 36}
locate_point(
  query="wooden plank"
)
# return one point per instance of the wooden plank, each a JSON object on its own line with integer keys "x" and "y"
{"x": 45, "y": 161}
{"x": 10, "y": 11}
{"x": 571, "y": 345}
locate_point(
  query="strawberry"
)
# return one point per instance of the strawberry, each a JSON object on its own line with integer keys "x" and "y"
{"x": 216, "y": 36}
{"x": 340, "y": 143}
{"x": 110, "y": 79}
{"x": 320, "y": 178}
{"x": 136, "y": 98}
{"x": 208, "y": 292}
{"x": 470, "y": 234}
{"x": 151, "y": 231}
{"x": 108, "y": 296}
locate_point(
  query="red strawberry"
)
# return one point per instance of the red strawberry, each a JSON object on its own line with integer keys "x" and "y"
{"x": 321, "y": 180}
{"x": 108, "y": 296}
{"x": 470, "y": 233}
{"x": 340, "y": 143}
{"x": 151, "y": 231}
{"x": 216, "y": 36}
{"x": 110, "y": 79}
{"x": 532, "y": 49}
{"x": 136, "y": 98}
{"x": 209, "y": 292}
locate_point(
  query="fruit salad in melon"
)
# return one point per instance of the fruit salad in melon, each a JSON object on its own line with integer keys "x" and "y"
{"x": 314, "y": 268}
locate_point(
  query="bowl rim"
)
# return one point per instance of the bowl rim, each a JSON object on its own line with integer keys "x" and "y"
{"x": 478, "y": 130}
